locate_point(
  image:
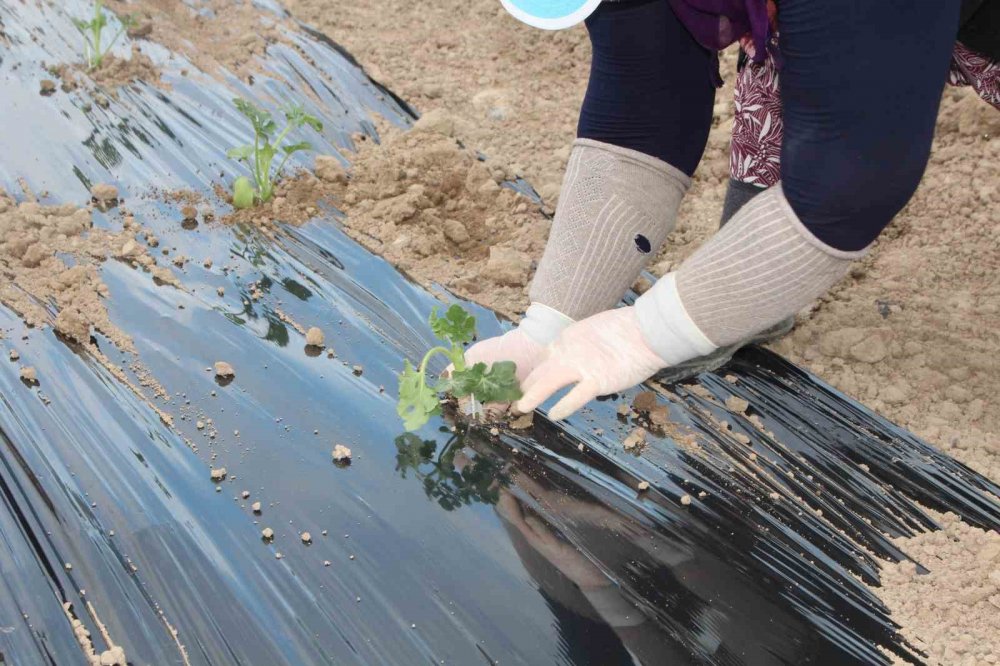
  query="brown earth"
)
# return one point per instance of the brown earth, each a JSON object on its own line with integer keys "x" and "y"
{"x": 913, "y": 332}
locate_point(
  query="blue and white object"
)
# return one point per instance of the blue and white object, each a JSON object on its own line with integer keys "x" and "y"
{"x": 550, "y": 14}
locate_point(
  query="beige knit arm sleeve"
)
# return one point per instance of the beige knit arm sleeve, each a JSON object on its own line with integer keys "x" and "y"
{"x": 759, "y": 269}
{"x": 615, "y": 210}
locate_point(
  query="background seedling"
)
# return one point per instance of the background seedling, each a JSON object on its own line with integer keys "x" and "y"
{"x": 496, "y": 383}
{"x": 91, "y": 31}
{"x": 259, "y": 155}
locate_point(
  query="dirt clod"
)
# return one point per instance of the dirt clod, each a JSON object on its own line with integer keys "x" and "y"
{"x": 522, "y": 421}
{"x": 644, "y": 402}
{"x": 29, "y": 375}
{"x": 644, "y": 485}
{"x": 737, "y": 404}
{"x": 104, "y": 193}
{"x": 341, "y": 454}
{"x": 508, "y": 267}
{"x": 267, "y": 534}
{"x": 47, "y": 87}
{"x": 255, "y": 507}
{"x": 315, "y": 337}
{"x": 114, "y": 656}
{"x": 636, "y": 438}
{"x": 218, "y": 474}
{"x": 686, "y": 500}
{"x": 224, "y": 370}
{"x": 306, "y": 538}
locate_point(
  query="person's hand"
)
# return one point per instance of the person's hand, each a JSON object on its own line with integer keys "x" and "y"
{"x": 514, "y": 346}
{"x": 602, "y": 354}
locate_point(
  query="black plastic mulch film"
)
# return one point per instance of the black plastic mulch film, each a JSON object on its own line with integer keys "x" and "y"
{"x": 443, "y": 547}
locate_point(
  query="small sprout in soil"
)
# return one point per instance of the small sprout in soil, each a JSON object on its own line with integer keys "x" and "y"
{"x": 255, "y": 507}
{"x": 341, "y": 455}
{"x": 306, "y": 538}
{"x": 483, "y": 384}
{"x": 259, "y": 155}
{"x": 315, "y": 337}
{"x": 224, "y": 370}
{"x": 267, "y": 534}
{"x": 219, "y": 474}
{"x": 91, "y": 31}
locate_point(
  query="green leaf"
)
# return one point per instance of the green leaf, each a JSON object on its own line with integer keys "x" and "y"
{"x": 313, "y": 122}
{"x": 456, "y": 326}
{"x": 240, "y": 153}
{"x": 297, "y": 117}
{"x": 495, "y": 383}
{"x": 242, "y": 193}
{"x": 294, "y": 147}
{"x": 266, "y": 153}
{"x": 417, "y": 401}
{"x": 263, "y": 123}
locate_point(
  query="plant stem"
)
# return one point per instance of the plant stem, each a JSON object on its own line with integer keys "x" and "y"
{"x": 439, "y": 350}
{"x": 256, "y": 161}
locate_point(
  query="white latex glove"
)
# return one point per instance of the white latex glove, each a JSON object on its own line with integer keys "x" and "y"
{"x": 602, "y": 354}
{"x": 514, "y": 346}
{"x": 525, "y": 345}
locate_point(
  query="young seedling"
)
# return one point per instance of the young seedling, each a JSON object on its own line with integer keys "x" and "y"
{"x": 418, "y": 401}
{"x": 259, "y": 155}
{"x": 91, "y": 31}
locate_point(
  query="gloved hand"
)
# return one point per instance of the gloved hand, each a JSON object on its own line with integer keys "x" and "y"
{"x": 513, "y": 345}
{"x": 525, "y": 345}
{"x": 601, "y": 354}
